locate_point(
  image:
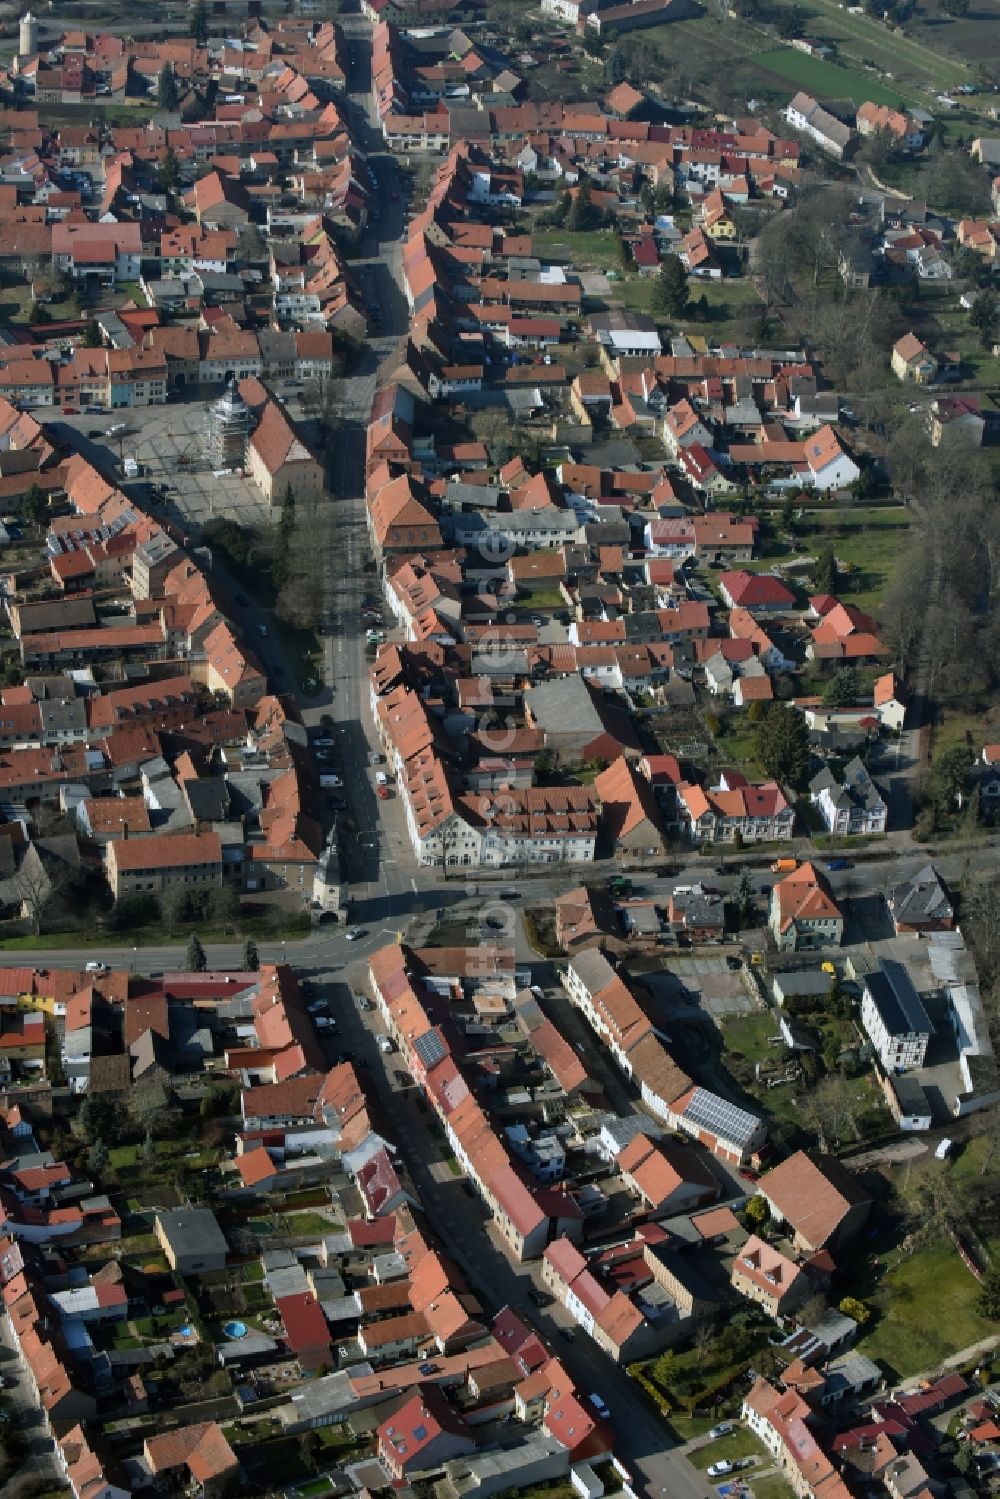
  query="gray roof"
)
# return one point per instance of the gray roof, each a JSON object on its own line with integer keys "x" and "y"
{"x": 832, "y": 1327}
{"x": 700, "y": 907}
{"x": 897, "y": 1002}
{"x": 801, "y": 981}
{"x": 593, "y": 969}
{"x": 911, "y": 1096}
{"x": 566, "y": 705}
{"x": 855, "y": 789}
{"x": 253, "y": 1345}
{"x": 851, "y": 1371}
{"x": 471, "y": 496}
{"x": 192, "y": 1231}
{"x": 921, "y": 899}
{"x": 321, "y": 1399}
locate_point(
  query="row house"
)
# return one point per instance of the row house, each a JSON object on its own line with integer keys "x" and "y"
{"x": 759, "y": 814}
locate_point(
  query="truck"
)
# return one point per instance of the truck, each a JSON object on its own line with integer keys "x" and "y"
{"x": 784, "y": 866}
{"x": 619, "y": 885}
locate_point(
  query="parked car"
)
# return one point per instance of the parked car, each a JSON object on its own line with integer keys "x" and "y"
{"x": 71, "y": 411}
{"x": 600, "y": 1407}
{"x": 722, "y": 1430}
{"x": 719, "y": 1469}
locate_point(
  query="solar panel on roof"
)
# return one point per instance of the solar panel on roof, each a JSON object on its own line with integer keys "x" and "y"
{"x": 430, "y": 1049}
{"x": 709, "y": 1111}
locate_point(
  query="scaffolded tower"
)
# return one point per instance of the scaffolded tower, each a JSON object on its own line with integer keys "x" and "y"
{"x": 228, "y": 424}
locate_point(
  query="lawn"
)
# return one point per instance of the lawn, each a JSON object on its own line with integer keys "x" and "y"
{"x": 750, "y": 1034}
{"x": 310, "y": 1223}
{"x": 771, "y": 1487}
{"x": 869, "y": 542}
{"x": 736, "y": 745}
{"x": 925, "y": 1310}
{"x": 540, "y": 598}
{"x": 739, "y": 1443}
{"x": 593, "y": 249}
{"x": 827, "y": 79}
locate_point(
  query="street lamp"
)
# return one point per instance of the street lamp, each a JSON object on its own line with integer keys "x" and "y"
{"x": 135, "y": 951}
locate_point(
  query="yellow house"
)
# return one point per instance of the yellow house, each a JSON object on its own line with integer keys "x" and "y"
{"x": 913, "y": 361}
{"x": 279, "y": 460}
{"x": 716, "y": 219}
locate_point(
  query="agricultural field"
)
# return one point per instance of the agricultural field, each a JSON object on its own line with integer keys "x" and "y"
{"x": 974, "y": 38}
{"x": 861, "y": 39}
{"x": 829, "y": 80}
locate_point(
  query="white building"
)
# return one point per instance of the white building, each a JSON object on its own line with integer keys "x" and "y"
{"x": 894, "y": 1018}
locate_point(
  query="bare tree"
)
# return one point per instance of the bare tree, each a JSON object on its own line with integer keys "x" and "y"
{"x": 830, "y": 1109}
{"x": 35, "y": 887}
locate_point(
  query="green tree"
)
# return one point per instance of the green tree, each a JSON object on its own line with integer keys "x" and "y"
{"x": 195, "y": 960}
{"x": 36, "y": 504}
{"x": 844, "y": 688}
{"x": 221, "y": 1099}
{"x": 743, "y": 902}
{"x": 97, "y": 1158}
{"x": 852, "y": 1307}
{"x": 166, "y": 88}
{"x": 826, "y": 573}
{"x": 168, "y": 173}
{"x": 251, "y": 962}
{"x": 664, "y": 1371}
{"x": 91, "y": 337}
{"x": 583, "y": 215}
{"x": 757, "y": 1212}
{"x": 670, "y": 294}
{"x": 199, "y": 23}
{"x": 100, "y": 1119}
{"x": 983, "y": 315}
{"x": 781, "y": 744}
{"x": 964, "y": 1460}
{"x": 950, "y": 779}
{"x": 988, "y": 1300}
